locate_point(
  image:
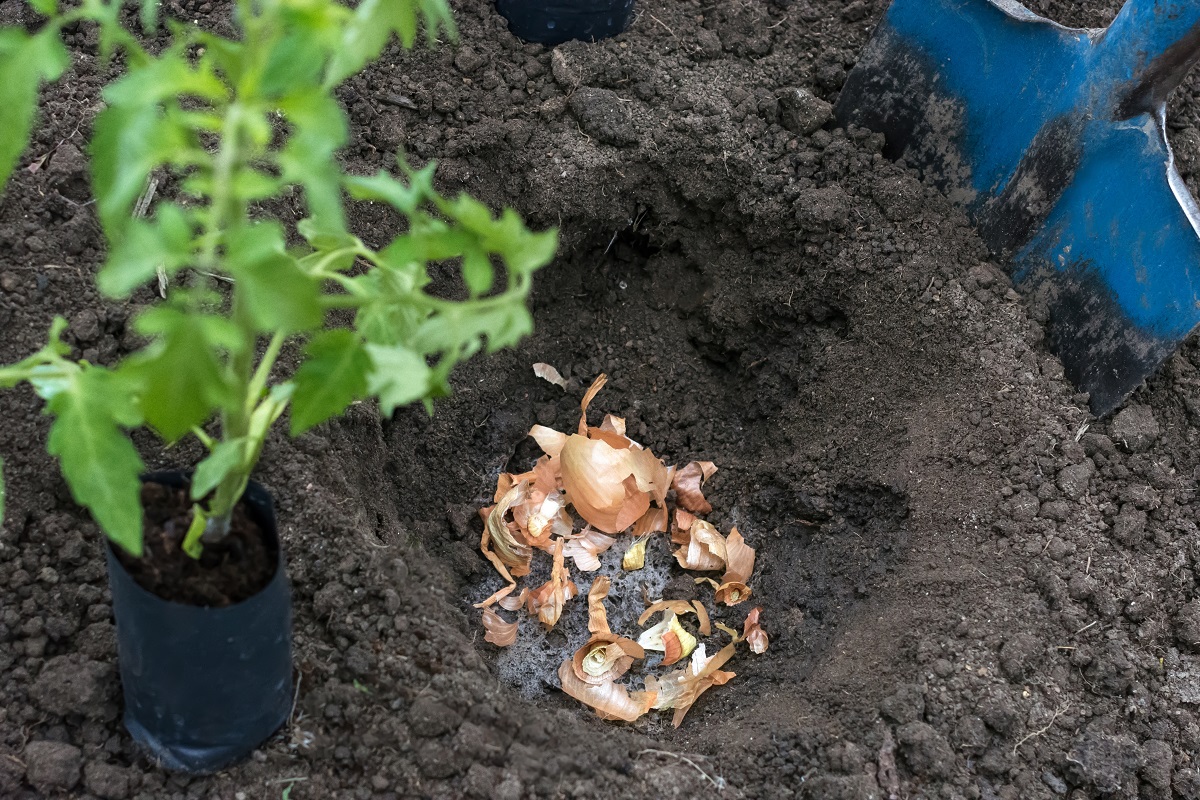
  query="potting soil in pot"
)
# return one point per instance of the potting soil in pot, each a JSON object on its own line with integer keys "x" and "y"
{"x": 969, "y": 593}
{"x": 227, "y": 572}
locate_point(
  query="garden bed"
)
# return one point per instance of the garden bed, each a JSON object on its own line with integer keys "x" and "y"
{"x": 948, "y": 559}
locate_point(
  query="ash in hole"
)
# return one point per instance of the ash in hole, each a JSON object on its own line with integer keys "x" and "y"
{"x": 531, "y": 664}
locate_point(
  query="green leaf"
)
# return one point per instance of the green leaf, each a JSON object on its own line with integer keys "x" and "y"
{"x": 398, "y": 376}
{"x": 180, "y": 372}
{"x": 279, "y": 295}
{"x": 467, "y": 327}
{"x": 477, "y": 271}
{"x": 128, "y": 143}
{"x": 25, "y": 61}
{"x": 224, "y": 458}
{"x": 167, "y": 77}
{"x": 227, "y": 56}
{"x": 42, "y": 364}
{"x": 531, "y": 251}
{"x": 146, "y": 245}
{"x": 148, "y": 15}
{"x": 386, "y": 188}
{"x": 294, "y": 62}
{"x": 47, "y": 8}
{"x": 334, "y": 375}
{"x": 318, "y": 130}
{"x": 98, "y": 460}
{"x": 368, "y": 31}
{"x": 437, "y": 16}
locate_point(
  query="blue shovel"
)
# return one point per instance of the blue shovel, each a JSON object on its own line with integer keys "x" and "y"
{"x": 1053, "y": 140}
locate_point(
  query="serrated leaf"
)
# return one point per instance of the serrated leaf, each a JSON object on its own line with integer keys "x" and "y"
{"x": 181, "y": 373}
{"x": 368, "y": 31}
{"x": 398, "y": 376}
{"x": 128, "y": 143}
{"x": 98, "y": 460}
{"x": 166, "y": 77}
{"x": 276, "y": 291}
{"x": 250, "y": 185}
{"x": 333, "y": 376}
{"x": 468, "y": 327}
{"x": 224, "y": 458}
{"x": 146, "y": 246}
{"x": 25, "y": 61}
{"x": 385, "y": 188}
{"x": 437, "y": 17}
{"x": 295, "y": 62}
{"x": 531, "y": 251}
{"x": 387, "y": 323}
{"x": 319, "y": 129}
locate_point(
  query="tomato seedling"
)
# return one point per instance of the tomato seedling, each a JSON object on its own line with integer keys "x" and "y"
{"x": 239, "y": 122}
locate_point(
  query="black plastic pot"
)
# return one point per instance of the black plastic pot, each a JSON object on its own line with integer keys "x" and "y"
{"x": 556, "y": 21}
{"x": 205, "y": 686}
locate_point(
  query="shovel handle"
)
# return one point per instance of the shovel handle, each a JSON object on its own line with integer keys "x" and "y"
{"x": 1148, "y": 50}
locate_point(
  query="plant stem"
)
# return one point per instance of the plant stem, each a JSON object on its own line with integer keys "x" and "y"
{"x": 258, "y": 383}
{"x": 226, "y": 211}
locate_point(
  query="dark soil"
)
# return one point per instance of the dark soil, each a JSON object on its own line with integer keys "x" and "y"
{"x": 974, "y": 589}
{"x": 227, "y": 572}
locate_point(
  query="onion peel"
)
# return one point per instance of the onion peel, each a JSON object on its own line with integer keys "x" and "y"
{"x": 705, "y": 549}
{"x": 687, "y": 482}
{"x": 599, "y": 483}
{"x": 675, "y": 606}
{"x": 510, "y": 557}
{"x": 550, "y": 440}
{"x": 586, "y": 547}
{"x": 547, "y": 601}
{"x": 726, "y": 629}
{"x": 653, "y": 521}
{"x": 753, "y": 633}
{"x": 683, "y": 524}
{"x": 733, "y": 593}
{"x": 512, "y": 603}
{"x": 635, "y": 556}
{"x": 670, "y": 637}
{"x": 499, "y": 632}
{"x": 617, "y": 441}
{"x": 605, "y": 658}
{"x": 702, "y": 616}
{"x": 498, "y": 597}
{"x": 548, "y": 373}
{"x": 610, "y": 701}
{"x": 681, "y": 688}
{"x": 739, "y": 558}
{"x": 588, "y": 396}
{"x": 651, "y": 474}
{"x": 597, "y": 615}
{"x": 614, "y": 424}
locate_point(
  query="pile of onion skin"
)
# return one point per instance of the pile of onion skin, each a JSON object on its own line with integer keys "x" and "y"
{"x": 617, "y": 487}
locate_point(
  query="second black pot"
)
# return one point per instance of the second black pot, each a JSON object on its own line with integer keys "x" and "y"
{"x": 557, "y": 21}
{"x": 205, "y": 686}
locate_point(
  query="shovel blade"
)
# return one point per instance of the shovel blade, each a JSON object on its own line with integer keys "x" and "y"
{"x": 996, "y": 106}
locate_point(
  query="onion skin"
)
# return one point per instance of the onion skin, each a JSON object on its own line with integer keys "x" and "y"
{"x": 599, "y": 484}
{"x": 609, "y": 700}
{"x": 499, "y": 632}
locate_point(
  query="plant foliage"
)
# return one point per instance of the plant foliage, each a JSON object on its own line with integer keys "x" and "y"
{"x": 239, "y": 121}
